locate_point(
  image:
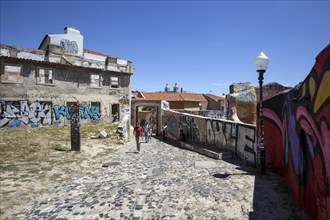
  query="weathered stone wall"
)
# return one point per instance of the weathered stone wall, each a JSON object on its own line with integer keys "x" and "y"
{"x": 243, "y": 98}
{"x": 33, "y": 104}
{"x": 270, "y": 90}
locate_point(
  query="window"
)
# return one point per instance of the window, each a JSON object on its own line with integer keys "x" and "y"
{"x": 95, "y": 80}
{"x": 45, "y": 76}
{"x": 84, "y": 103}
{"x": 96, "y": 106}
{"x": 114, "y": 82}
{"x": 12, "y": 74}
{"x": 115, "y": 112}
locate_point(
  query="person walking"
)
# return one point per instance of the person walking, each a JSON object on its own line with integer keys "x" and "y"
{"x": 138, "y": 135}
{"x": 182, "y": 136}
{"x": 150, "y": 134}
{"x": 146, "y": 132}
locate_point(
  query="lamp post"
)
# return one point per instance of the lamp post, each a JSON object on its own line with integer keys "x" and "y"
{"x": 261, "y": 63}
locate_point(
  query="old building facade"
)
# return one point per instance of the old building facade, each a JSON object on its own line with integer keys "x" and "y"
{"x": 38, "y": 86}
{"x": 269, "y": 90}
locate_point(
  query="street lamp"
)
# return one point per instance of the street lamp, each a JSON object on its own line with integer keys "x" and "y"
{"x": 261, "y": 63}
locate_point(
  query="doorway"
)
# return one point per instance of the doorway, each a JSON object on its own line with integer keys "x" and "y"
{"x": 114, "y": 113}
{"x": 148, "y": 114}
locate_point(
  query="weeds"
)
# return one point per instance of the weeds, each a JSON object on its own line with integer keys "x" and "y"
{"x": 55, "y": 176}
{"x": 60, "y": 147}
{"x": 8, "y": 168}
{"x": 33, "y": 160}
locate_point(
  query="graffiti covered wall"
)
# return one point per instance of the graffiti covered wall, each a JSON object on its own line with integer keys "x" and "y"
{"x": 151, "y": 118}
{"x": 34, "y": 114}
{"x": 243, "y": 98}
{"x": 297, "y": 138}
{"x": 237, "y": 137}
{"x": 207, "y": 113}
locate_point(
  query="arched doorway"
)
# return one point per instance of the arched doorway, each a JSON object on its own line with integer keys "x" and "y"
{"x": 148, "y": 113}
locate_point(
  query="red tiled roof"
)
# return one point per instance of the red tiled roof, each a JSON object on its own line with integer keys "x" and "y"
{"x": 94, "y": 52}
{"x": 214, "y": 97}
{"x": 172, "y": 96}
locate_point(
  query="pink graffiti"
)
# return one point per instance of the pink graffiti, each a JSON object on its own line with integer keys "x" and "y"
{"x": 271, "y": 115}
{"x": 323, "y": 138}
{"x": 287, "y": 129}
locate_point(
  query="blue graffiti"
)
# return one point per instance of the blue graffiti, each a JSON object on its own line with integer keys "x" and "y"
{"x": 61, "y": 111}
{"x": 14, "y": 123}
{"x": 85, "y": 112}
{"x": 92, "y": 112}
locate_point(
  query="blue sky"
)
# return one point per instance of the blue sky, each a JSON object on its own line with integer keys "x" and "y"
{"x": 201, "y": 45}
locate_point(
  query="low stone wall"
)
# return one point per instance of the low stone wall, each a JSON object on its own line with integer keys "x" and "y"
{"x": 236, "y": 137}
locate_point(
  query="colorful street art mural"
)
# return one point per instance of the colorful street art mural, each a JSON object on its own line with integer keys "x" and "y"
{"x": 34, "y": 114}
{"x": 297, "y": 138}
{"x": 237, "y": 137}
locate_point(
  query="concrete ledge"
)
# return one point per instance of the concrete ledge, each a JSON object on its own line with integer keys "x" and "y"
{"x": 207, "y": 152}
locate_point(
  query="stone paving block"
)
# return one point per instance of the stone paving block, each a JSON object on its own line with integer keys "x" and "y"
{"x": 109, "y": 164}
{"x": 164, "y": 181}
{"x": 205, "y": 164}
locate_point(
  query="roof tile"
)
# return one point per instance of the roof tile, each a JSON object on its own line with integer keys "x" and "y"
{"x": 172, "y": 96}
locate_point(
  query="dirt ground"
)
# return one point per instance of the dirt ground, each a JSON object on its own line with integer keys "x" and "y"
{"x": 35, "y": 160}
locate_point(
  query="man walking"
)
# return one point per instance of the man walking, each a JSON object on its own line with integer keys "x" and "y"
{"x": 138, "y": 135}
{"x": 146, "y": 129}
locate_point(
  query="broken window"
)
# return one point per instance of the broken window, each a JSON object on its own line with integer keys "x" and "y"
{"x": 114, "y": 82}
{"x": 95, "y": 80}
{"x": 45, "y": 76}
{"x": 115, "y": 112}
{"x": 12, "y": 74}
{"x": 96, "y": 105}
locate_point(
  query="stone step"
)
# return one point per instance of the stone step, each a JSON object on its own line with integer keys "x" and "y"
{"x": 218, "y": 154}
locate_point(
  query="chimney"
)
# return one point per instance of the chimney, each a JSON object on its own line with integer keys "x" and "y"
{"x": 71, "y": 30}
{"x": 167, "y": 88}
{"x": 175, "y": 88}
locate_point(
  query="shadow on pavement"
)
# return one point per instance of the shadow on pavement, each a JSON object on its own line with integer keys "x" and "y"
{"x": 271, "y": 196}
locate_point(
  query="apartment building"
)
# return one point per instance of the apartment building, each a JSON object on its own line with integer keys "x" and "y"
{"x": 39, "y": 86}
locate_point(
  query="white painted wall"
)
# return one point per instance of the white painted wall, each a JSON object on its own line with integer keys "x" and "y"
{"x": 73, "y": 43}
{"x": 4, "y": 52}
{"x": 30, "y": 56}
{"x": 94, "y": 57}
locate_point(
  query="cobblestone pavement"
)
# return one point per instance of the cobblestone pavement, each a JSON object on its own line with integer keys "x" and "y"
{"x": 166, "y": 182}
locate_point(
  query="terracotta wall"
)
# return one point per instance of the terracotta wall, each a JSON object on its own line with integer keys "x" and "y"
{"x": 243, "y": 98}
